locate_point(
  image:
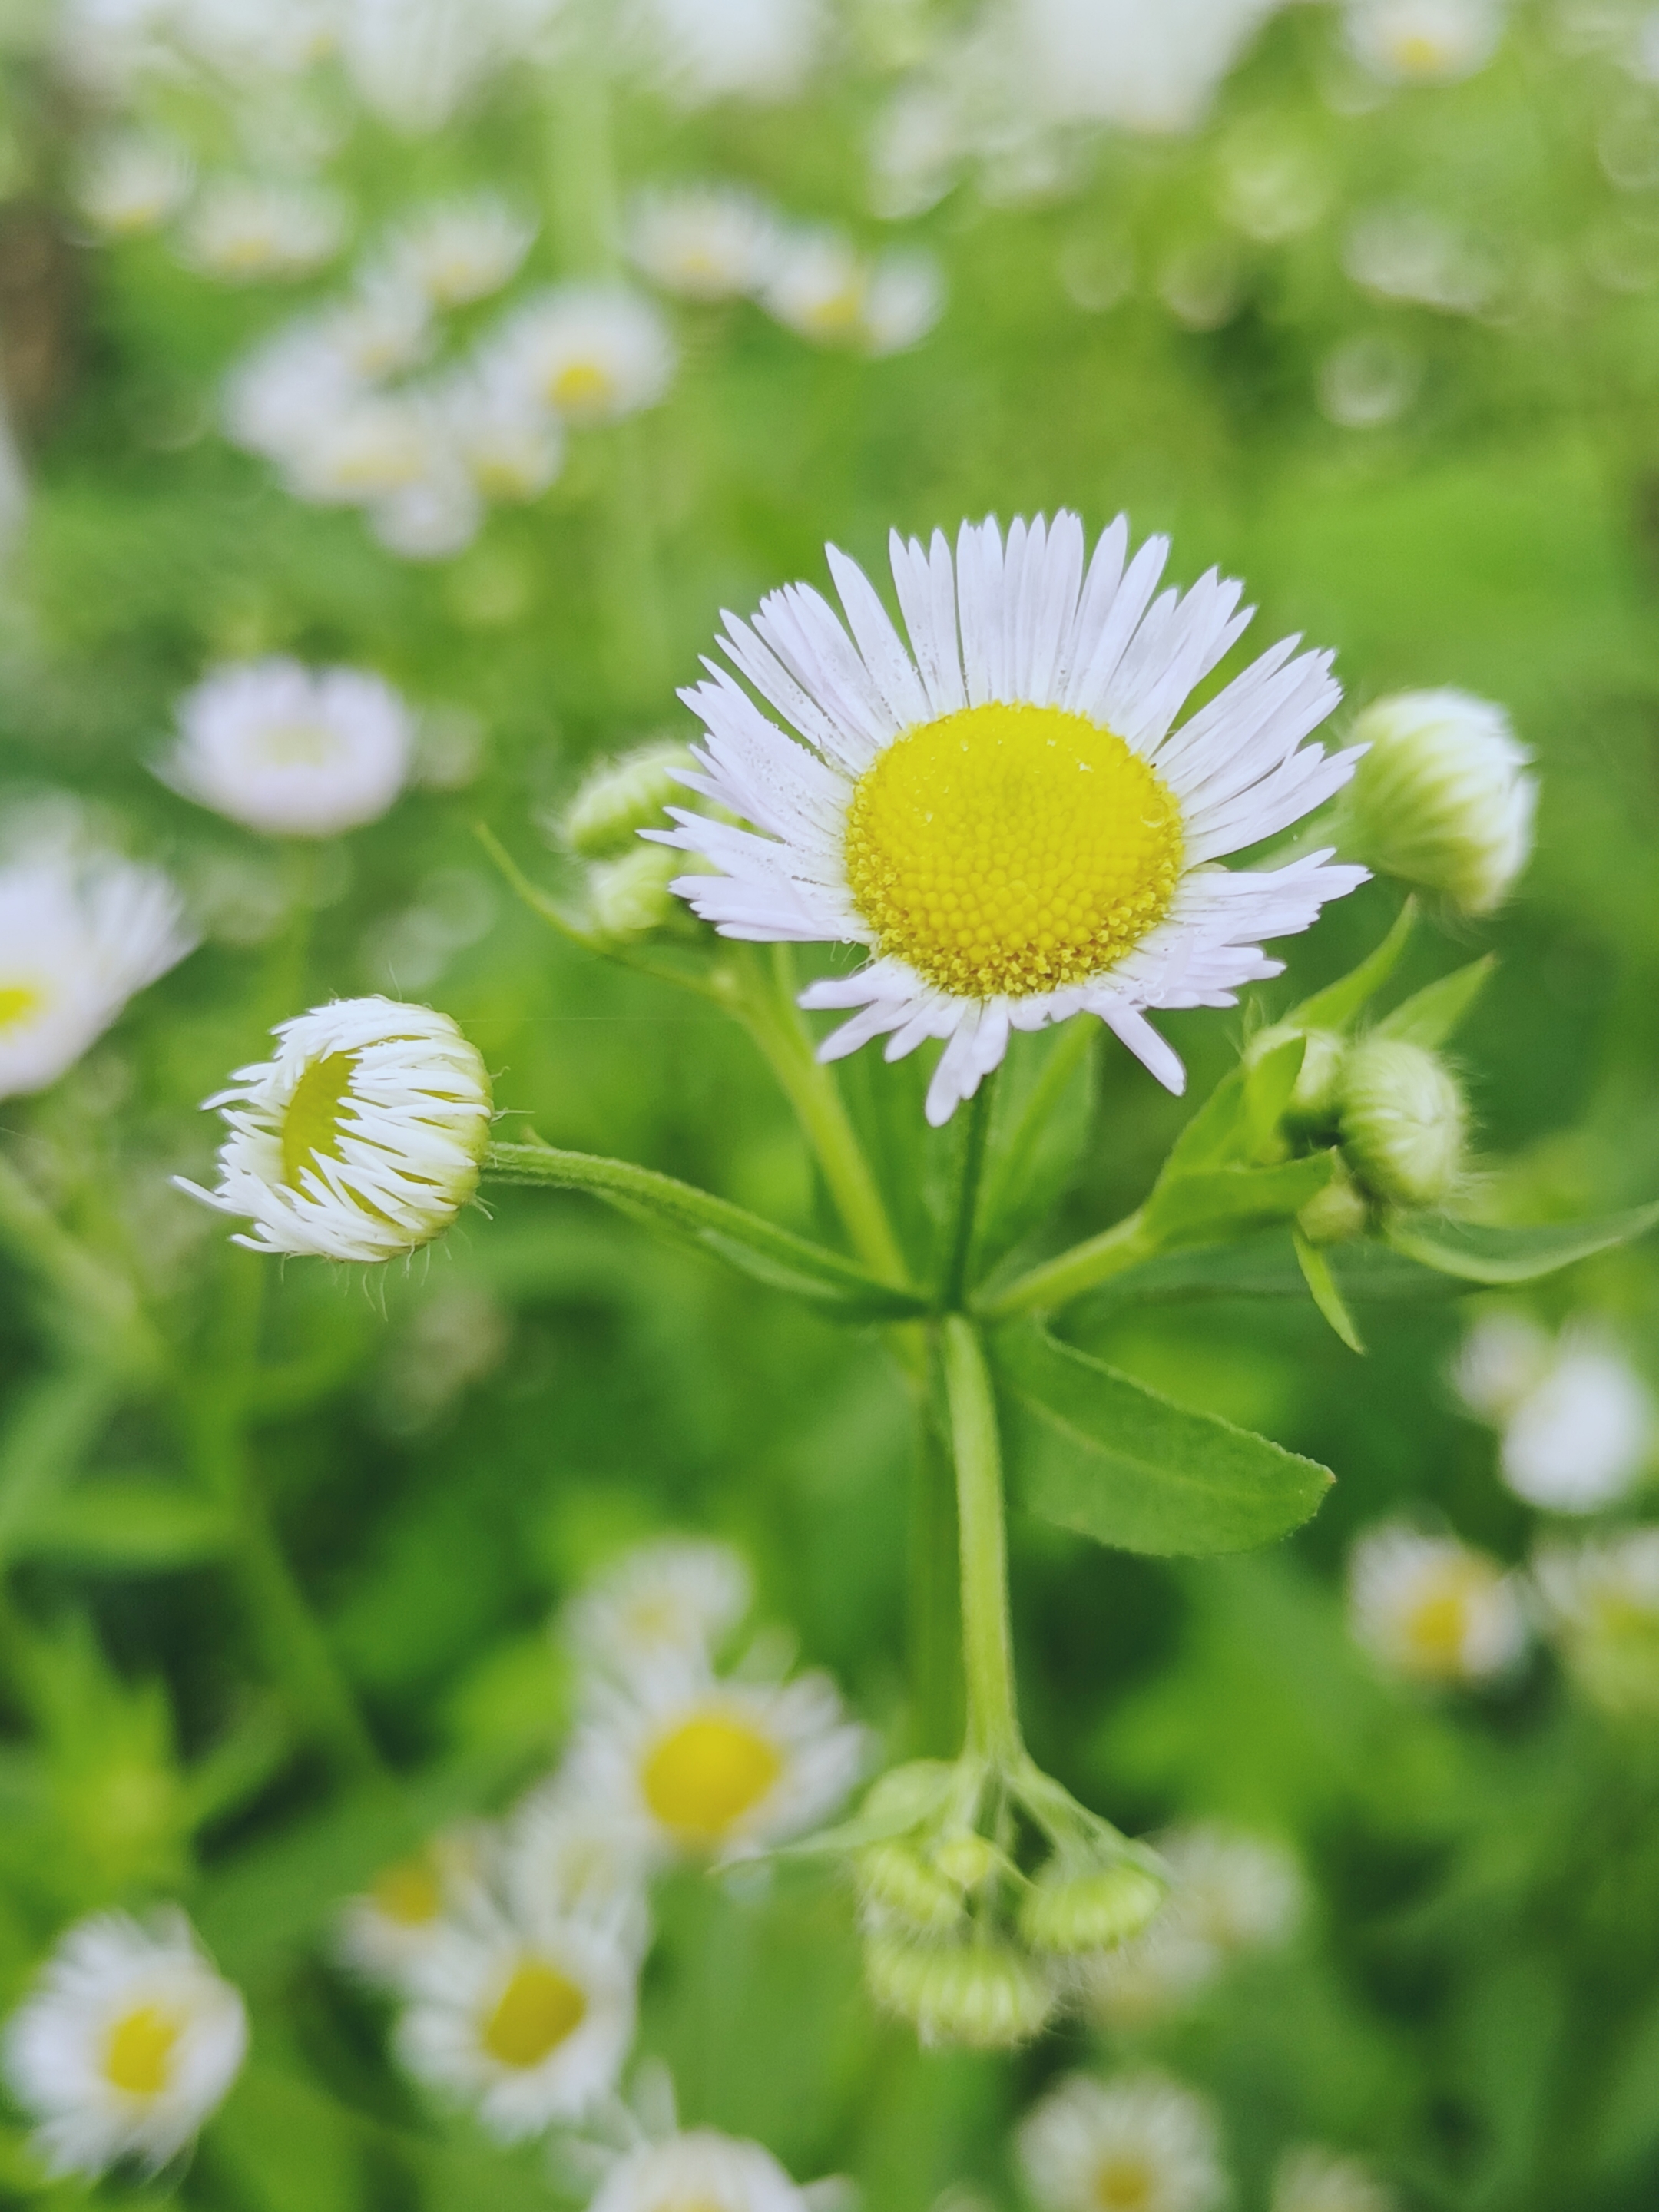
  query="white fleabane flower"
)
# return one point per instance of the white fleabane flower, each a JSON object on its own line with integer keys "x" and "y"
{"x": 1580, "y": 1437}
{"x": 707, "y": 50}
{"x": 1230, "y": 1893}
{"x": 133, "y": 182}
{"x": 593, "y": 353}
{"x": 1003, "y": 813}
{"x": 459, "y": 251}
{"x": 701, "y": 1765}
{"x": 434, "y": 516}
{"x": 678, "y": 1596}
{"x": 1444, "y": 799}
{"x": 1503, "y": 1357}
{"x": 290, "y": 750}
{"x": 244, "y": 229}
{"x": 385, "y": 326}
{"x": 1424, "y": 41}
{"x": 563, "y": 1858}
{"x": 78, "y": 936}
{"x": 1154, "y": 71}
{"x": 384, "y": 1934}
{"x": 704, "y": 241}
{"x": 703, "y": 2168}
{"x": 511, "y": 446}
{"x": 1309, "y": 2178}
{"x": 526, "y": 2028}
{"x": 1431, "y": 1609}
{"x": 361, "y": 1139}
{"x": 1602, "y": 1610}
{"x": 1140, "y": 2143}
{"x": 275, "y": 395}
{"x": 127, "y": 2044}
{"x": 826, "y": 291}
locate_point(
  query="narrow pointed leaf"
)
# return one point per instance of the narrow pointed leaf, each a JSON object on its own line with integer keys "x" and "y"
{"x": 125, "y": 1525}
{"x": 1476, "y": 1252}
{"x": 1321, "y": 1287}
{"x": 1093, "y": 1451}
{"x": 1268, "y": 1087}
{"x": 1432, "y": 1015}
{"x": 1216, "y": 1132}
{"x": 1335, "y": 1006}
{"x": 1195, "y": 1208}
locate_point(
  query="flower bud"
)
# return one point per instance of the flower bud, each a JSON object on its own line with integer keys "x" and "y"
{"x": 1082, "y": 1908}
{"x": 894, "y": 1879}
{"x": 630, "y": 896}
{"x": 1442, "y": 799}
{"x": 361, "y": 1139}
{"x": 968, "y": 1860}
{"x": 619, "y": 798}
{"x": 1313, "y": 1095}
{"x": 981, "y": 1992}
{"x": 1336, "y": 1214}
{"x": 1404, "y": 1122}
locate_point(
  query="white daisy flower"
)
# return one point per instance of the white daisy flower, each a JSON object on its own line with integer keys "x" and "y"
{"x": 415, "y": 63}
{"x": 709, "y": 50}
{"x": 512, "y": 447}
{"x": 371, "y": 447}
{"x": 133, "y": 182}
{"x": 1503, "y": 1357}
{"x": 1431, "y": 1609}
{"x": 385, "y": 1934}
{"x": 361, "y": 1139}
{"x": 247, "y": 229}
{"x": 700, "y": 2168}
{"x": 275, "y": 395}
{"x": 291, "y": 750}
{"x": 127, "y": 2044}
{"x": 680, "y": 1596}
{"x": 1580, "y": 1440}
{"x": 435, "y": 515}
{"x": 78, "y": 936}
{"x": 563, "y": 1858}
{"x": 1424, "y": 41}
{"x": 462, "y": 250}
{"x": 1601, "y": 1607}
{"x": 700, "y": 1763}
{"x": 527, "y": 2029}
{"x": 593, "y": 353}
{"x": 385, "y": 326}
{"x": 1309, "y": 2178}
{"x": 704, "y": 241}
{"x": 1153, "y": 70}
{"x": 1002, "y": 814}
{"x": 1140, "y": 2143}
{"x": 1230, "y": 1893}
{"x": 825, "y": 290}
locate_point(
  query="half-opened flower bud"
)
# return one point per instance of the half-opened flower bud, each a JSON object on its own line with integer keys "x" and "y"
{"x": 1442, "y": 800}
{"x": 361, "y": 1139}
{"x": 980, "y": 1992}
{"x": 619, "y": 798}
{"x": 1404, "y": 1121}
{"x": 630, "y": 896}
{"x": 1071, "y": 1909}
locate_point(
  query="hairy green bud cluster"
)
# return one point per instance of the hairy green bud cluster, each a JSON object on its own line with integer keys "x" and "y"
{"x": 1403, "y": 1121}
{"x": 977, "y": 1989}
{"x": 1442, "y": 799}
{"x": 1071, "y": 1910}
{"x": 619, "y": 798}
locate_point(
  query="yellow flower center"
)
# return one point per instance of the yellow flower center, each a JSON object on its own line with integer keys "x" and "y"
{"x": 17, "y": 1002}
{"x": 1124, "y": 2184}
{"x": 311, "y": 1126}
{"x": 1437, "y": 1625}
{"x": 837, "y": 312}
{"x": 707, "y": 1774}
{"x": 298, "y": 745}
{"x": 534, "y": 2014}
{"x": 409, "y": 1892}
{"x": 138, "y": 2057}
{"x": 581, "y": 387}
{"x": 1007, "y": 850}
{"x": 1418, "y": 53}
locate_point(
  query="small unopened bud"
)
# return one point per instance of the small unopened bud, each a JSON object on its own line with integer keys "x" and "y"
{"x": 968, "y": 1860}
{"x": 1404, "y": 1121}
{"x": 619, "y": 798}
{"x": 1313, "y": 1098}
{"x": 982, "y": 1992}
{"x": 1336, "y": 1214}
{"x": 1442, "y": 800}
{"x": 629, "y": 897}
{"x": 1073, "y": 1909}
{"x": 896, "y": 1879}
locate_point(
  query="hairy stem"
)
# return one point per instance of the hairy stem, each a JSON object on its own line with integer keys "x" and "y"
{"x": 933, "y": 1611}
{"x": 993, "y": 1730}
{"x": 958, "y": 1257}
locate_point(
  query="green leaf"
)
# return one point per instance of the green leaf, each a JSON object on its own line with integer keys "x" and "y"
{"x": 1193, "y": 1208}
{"x": 756, "y": 1247}
{"x": 1432, "y": 1015}
{"x": 1321, "y": 1284}
{"x": 1264, "y": 1266}
{"x": 1335, "y": 1006}
{"x": 1044, "y": 1110}
{"x": 1268, "y": 1083}
{"x": 1216, "y": 1132}
{"x": 1092, "y": 1451}
{"x": 123, "y": 1525}
{"x": 1476, "y": 1252}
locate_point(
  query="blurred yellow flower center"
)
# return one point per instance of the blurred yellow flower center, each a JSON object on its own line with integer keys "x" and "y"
{"x": 707, "y": 1774}
{"x": 298, "y": 745}
{"x": 1007, "y": 850}
{"x": 311, "y": 1126}
{"x": 1416, "y": 53}
{"x": 1125, "y": 2185}
{"x": 837, "y": 312}
{"x": 534, "y": 2014}
{"x": 139, "y": 2054}
{"x": 17, "y": 1002}
{"x": 1438, "y": 1624}
{"x": 409, "y": 1892}
{"x": 581, "y": 386}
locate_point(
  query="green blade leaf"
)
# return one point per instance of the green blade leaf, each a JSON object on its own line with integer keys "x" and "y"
{"x": 1092, "y": 1451}
{"x": 1193, "y": 1208}
{"x": 1322, "y": 1286}
{"x": 123, "y": 1525}
{"x": 1268, "y": 1083}
{"x": 1475, "y": 1252}
{"x": 1335, "y": 1006}
{"x": 756, "y": 1247}
{"x": 1264, "y": 1266}
{"x": 1044, "y": 1110}
{"x": 1432, "y": 1015}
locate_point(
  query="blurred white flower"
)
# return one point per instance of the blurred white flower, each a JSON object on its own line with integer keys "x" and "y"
{"x": 1152, "y": 69}
{"x": 526, "y": 2028}
{"x": 680, "y": 1596}
{"x": 565, "y": 1859}
{"x": 1503, "y": 1357}
{"x": 415, "y": 63}
{"x": 291, "y": 750}
{"x": 712, "y": 2171}
{"x": 246, "y": 228}
{"x": 458, "y": 250}
{"x": 79, "y": 935}
{"x": 825, "y": 290}
{"x": 1368, "y": 381}
{"x": 1424, "y": 41}
{"x": 1581, "y": 1437}
{"x": 915, "y": 147}
{"x": 250, "y": 41}
{"x": 127, "y": 2042}
{"x": 1138, "y": 2143}
{"x": 365, "y": 448}
{"x": 384, "y": 1933}
{"x": 1309, "y": 2178}
{"x": 903, "y": 300}
{"x": 434, "y": 516}
{"x": 703, "y": 241}
{"x": 510, "y": 444}
{"x": 699, "y": 1763}
{"x": 383, "y": 325}
{"x": 1409, "y": 253}
{"x": 592, "y": 353}
{"x": 707, "y": 50}
{"x": 275, "y": 395}
{"x": 361, "y": 1139}
{"x": 1230, "y": 1893}
{"x": 133, "y": 181}
{"x": 1271, "y": 188}
{"x": 1602, "y": 1610}
{"x": 1431, "y": 1609}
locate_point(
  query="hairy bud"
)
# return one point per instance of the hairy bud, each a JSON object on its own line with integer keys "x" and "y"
{"x": 619, "y": 798}
{"x": 1442, "y": 799}
{"x": 1073, "y": 1909}
{"x": 894, "y": 1878}
{"x": 1314, "y": 1095}
{"x": 630, "y": 896}
{"x": 1336, "y": 1214}
{"x": 980, "y": 1992}
{"x": 1404, "y": 1121}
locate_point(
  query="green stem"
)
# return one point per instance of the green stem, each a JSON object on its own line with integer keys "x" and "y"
{"x": 1094, "y": 1261}
{"x": 953, "y": 1287}
{"x": 933, "y": 1613}
{"x": 582, "y": 177}
{"x": 993, "y": 1731}
{"x": 99, "y": 1294}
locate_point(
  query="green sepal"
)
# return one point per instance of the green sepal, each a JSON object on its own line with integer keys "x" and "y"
{"x": 1322, "y": 1288}
{"x": 1335, "y": 1006}
{"x": 1095, "y": 1452}
{"x": 1476, "y": 1252}
{"x": 1189, "y": 1209}
{"x": 1431, "y": 1016}
{"x": 887, "y": 1811}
